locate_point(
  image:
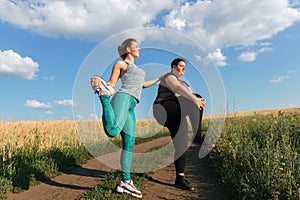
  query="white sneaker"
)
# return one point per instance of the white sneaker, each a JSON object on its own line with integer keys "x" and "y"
{"x": 100, "y": 86}
{"x": 129, "y": 188}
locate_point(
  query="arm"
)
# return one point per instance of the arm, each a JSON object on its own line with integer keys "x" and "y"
{"x": 153, "y": 81}
{"x": 117, "y": 70}
{"x": 175, "y": 86}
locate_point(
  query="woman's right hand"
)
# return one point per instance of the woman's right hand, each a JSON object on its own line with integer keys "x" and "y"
{"x": 162, "y": 76}
{"x": 201, "y": 103}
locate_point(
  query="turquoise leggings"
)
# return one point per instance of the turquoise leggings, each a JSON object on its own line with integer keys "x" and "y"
{"x": 119, "y": 117}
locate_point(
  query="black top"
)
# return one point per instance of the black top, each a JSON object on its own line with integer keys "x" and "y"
{"x": 164, "y": 93}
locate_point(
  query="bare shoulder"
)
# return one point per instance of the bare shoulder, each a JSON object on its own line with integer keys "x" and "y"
{"x": 172, "y": 80}
{"x": 121, "y": 65}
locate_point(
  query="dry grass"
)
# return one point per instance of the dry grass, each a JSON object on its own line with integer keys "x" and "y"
{"x": 254, "y": 112}
{"x": 68, "y": 133}
{"x": 41, "y": 134}
{"x": 45, "y": 135}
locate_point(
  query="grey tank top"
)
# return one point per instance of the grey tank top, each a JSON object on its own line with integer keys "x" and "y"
{"x": 132, "y": 81}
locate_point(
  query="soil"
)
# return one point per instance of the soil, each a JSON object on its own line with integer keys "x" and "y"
{"x": 73, "y": 184}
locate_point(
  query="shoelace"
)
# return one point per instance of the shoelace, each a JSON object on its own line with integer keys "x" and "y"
{"x": 131, "y": 184}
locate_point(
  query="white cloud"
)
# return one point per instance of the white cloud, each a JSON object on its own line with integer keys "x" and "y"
{"x": 65, "y": 102}
{"x": 290, "y": 72}
{"x": 51, "y": 78}
{"x": 36, "y": 104}
{"x": 64, "y": 118}
{"x": 175, "y": 23}
{"x": 225, "y": 23}
{"x": 79, "y": 117}
{"x": 292, "y": 105}
{"x": 198, "y": 58}
{"x": 217, "y": 57}
{"x": 251, "y": 56}
{"x": 280, "y": 78}
{"x": 15, "y": 66}
{"x": 82, "y": 18}
{"x": 266, "y": 44}
{"x": 214, "y": 24}
{"x": 49, "y": 113}
{"x": 264, "y": 49}
{"x": 248, "y": 56}
{"x": 93, "y": 116}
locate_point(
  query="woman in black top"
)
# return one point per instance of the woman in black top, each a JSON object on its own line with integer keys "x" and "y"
{"x": 174, "y": 102}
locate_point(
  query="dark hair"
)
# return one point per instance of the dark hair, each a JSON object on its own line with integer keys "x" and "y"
{"x": 176, "y": 61}
{"x": 122, "y": 49}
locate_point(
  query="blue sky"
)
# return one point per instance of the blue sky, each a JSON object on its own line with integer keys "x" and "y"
{"x": 246, "y": 52}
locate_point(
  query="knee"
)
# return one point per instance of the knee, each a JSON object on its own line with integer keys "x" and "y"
{"x": 112, "y": 131}
{"x": 160, "y": 114}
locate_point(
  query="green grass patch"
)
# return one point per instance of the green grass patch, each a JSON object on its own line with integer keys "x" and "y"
{"x": 28, "y": 166}
{"x": 106, "y": 190}
{"x": 257, "y": 157}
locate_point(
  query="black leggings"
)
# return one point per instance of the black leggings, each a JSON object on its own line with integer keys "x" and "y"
{"x": 172, "y": 114}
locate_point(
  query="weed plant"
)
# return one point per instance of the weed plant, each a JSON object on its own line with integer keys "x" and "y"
{"x": 257, "y": 157}
{"x": 35, "y": 151}
{"x": 106, "y": 190}
{"x": 29, "y": 167}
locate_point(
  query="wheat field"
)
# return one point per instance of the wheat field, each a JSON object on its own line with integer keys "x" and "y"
{"x": 47, "y": 134}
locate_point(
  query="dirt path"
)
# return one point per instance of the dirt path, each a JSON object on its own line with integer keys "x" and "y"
{"x": 72, "y": 185}
{"x": 206, "y": 186}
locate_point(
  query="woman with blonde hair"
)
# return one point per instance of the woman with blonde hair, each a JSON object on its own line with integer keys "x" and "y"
{"x": 118, "y": 113}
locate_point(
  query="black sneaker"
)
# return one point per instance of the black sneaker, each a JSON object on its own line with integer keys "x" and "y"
{"x": 198, "y": 140}
{"x": 182, "y": 183}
